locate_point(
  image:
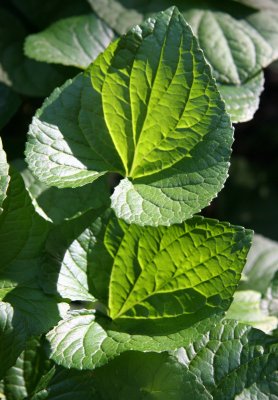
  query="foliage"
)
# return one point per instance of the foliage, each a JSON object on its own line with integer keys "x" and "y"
{"x": 107, "y": 274}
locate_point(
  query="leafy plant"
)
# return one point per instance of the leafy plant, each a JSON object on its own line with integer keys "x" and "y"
{"x": 106, "y": 272}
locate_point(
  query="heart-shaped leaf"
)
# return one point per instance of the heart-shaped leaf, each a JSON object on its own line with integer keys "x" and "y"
{"x": 153, "y": 283}
{"x": 151, "y": 113}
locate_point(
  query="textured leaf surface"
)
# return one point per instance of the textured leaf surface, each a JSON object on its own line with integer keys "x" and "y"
{"x": 21, "y": 380}
{"x": 81, "y": 342}
{"x": 189, "y": 270}
{"x": 249, "y": 308}
{"x": 117, "y": 16}
{"x": 243, "y": 101}
{"x": 238, "y": 41}
{"x": 233, "y": 361}
{"x": 58, "y": 205}
{"x": 75, "y": 41}
{"x": 26, "y": 309}
{"x": 261, "y": 265}
{"x": 161, "y": 87}
{"x": 154, "y": 283}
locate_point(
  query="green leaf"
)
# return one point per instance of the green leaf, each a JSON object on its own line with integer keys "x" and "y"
{"x": 75, "y": 41}
{"x": 21, "y": 380}
{"x": 9, "y": 104}
{"x": 243, "y": 101}
{"x": 22, "y": 233}
{"x": 262, "y": 263}
{"x": 270, "y": 301}
{"x": 25, "y": 310}
{"x": 249, "y": 308}
{"x": 238, "y": 41}
{"x": 117, "y": 16}
{"x": 136, "y": 375}
{"x": 81, "y": 342}
{"x": 13, "y": 337}
{"x": 233, "y": 361}
{"x": 4, "y": 175}
{"x": 58, "y": 242}
{"x": 176, "y": 103}
{"x": 57, "y": 205}
{"x": 67, "y": 385}
{"x": 154, "y": 284}
{"x": 25, "y": 76}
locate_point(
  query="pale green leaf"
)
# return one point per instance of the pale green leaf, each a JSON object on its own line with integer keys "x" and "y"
{"x": 249, "y": 308}
{"x": 4, "y": 175}
{"x": 117, "y": 16}
{"x": 270, "y": 300}
{"x": 260, "y": 4}
{"x": 242, "y": 101}
{"x": 81, "y": 342}
{"x": 261, "y": 265}
{"x": 75, "y": 41}
{"x": 239, "y": 50}
{"x": 80, "y": 133}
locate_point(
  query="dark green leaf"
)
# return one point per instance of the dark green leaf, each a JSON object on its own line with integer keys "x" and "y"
{"x": 9, "y": 104}
{"x": 21, "y": 380}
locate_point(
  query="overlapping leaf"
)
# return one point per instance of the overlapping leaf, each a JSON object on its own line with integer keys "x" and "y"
{"x": 261, "y": 265}
{"x": 231, "y": 361}
{"x": 249, "y": 307}
{"x": 154, "y": 284}
{"x": 75, "y": 41}
{"x": 151, "y": 113}
{"x": 238, "y": 41}
{"x": 25, "y": 309}
{"x": 22, "y": 378}
{"x": 58, "y": 205}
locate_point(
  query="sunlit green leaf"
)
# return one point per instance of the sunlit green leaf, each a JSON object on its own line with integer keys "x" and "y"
{"x": 88, "y": 128}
